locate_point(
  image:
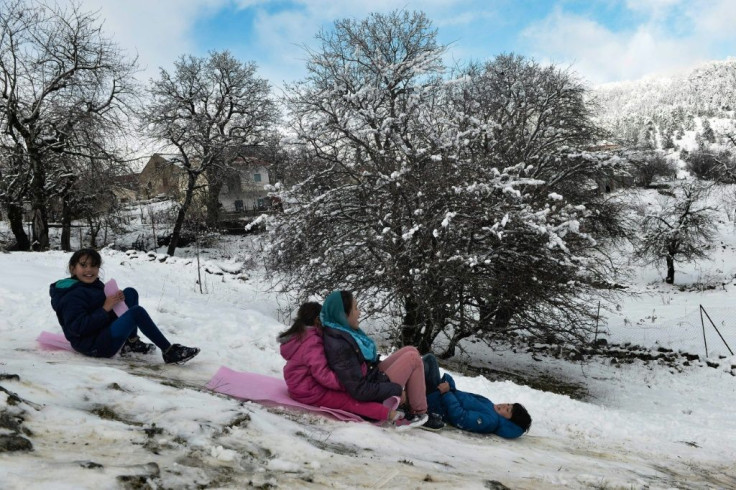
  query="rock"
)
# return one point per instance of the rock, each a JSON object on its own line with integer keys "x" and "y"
{"x": 494, "y": 485}
{"x": 14, "y": 442}
{"x": 10, "y": 422}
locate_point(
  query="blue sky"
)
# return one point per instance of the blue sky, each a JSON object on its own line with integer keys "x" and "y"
{"x": 602, "y": 40}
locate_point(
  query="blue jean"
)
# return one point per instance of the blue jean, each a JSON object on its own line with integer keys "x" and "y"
{"x": 431, "y": 372}
{"x": 111, "y": 339}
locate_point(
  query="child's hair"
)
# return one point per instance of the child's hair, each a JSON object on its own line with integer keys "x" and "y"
{"x": 92, "y": 256}
{"x": 308, "y": 315}
{"x": 521, "y": 417}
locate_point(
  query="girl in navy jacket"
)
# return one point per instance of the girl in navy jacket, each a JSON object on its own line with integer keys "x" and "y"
{"x": 89, "y": 324}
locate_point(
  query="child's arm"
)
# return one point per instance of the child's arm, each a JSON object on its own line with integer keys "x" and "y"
{"x": 318, "y": 367}
{"x": 346, "y": 365}
{"x": 80, "y": 322}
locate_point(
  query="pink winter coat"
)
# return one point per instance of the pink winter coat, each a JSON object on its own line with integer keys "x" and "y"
{"x": 307, "y": 375}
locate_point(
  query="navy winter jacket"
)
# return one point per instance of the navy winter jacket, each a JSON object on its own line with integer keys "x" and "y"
{"x": 470, "y": 412}
{"x": 78, "y": 307}
{"x": 363, "y": 380}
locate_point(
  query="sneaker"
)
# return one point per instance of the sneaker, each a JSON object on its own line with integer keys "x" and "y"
{"x": 179, "y": 354}
{"x": 434, "y": 422}
{"x": 410, "y": 421}
{"x": 136, "y": 346}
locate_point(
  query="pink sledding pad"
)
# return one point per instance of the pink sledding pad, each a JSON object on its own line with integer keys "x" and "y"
{"x": 54, "y": 341}
{"x": 268, "y": 391}
{"x": 111, "y": 287}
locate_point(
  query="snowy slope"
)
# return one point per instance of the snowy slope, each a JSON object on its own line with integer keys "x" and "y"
{"x": 91, "y": 421}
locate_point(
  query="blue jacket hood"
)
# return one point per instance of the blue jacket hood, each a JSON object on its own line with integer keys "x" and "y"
{"x": 60, "y": 288}
{"x": 79, "y": 309}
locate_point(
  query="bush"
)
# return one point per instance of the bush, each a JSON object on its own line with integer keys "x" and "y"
{"x": 648, "y": 165}
{"x": 712, "y": 164}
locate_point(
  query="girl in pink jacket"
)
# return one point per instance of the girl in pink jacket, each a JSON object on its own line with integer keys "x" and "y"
{"x": 308, "y": 377}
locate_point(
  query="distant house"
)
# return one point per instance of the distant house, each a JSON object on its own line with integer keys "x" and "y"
{"x": 125, "y": 187}
{"x": 161, "y": 177}
{"x": 244, "y": 185}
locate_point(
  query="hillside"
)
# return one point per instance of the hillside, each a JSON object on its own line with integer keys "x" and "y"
{"x": 140, "y": 424}
{"x": 668, "y": 112}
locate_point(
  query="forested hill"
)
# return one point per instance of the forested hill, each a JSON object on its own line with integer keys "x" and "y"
{"x": 659, "y": 112}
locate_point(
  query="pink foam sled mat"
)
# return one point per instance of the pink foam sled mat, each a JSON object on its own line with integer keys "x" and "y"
{"x": 268, "y": 391}
{"x": 54, "y": 341}
{"x": 111, "y": 287}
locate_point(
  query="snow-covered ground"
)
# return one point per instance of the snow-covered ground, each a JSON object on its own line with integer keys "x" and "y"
{"x": 138, "y": 423}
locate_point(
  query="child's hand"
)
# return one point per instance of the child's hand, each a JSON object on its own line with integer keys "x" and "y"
{"x": 444, "y": 387}
{"x": 112, "y": 300}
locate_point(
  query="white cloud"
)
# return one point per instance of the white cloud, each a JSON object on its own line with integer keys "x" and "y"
{"x": 601, "y": 55}
{"x": 714, "y": 19}
{"x": 158, "y": 30}
{"x": 282, "y": 35}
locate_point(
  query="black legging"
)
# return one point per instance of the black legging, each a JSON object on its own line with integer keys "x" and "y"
{"x": 431, "y": 372}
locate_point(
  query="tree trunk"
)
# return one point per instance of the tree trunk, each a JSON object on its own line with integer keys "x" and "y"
{"x": 94, "y": 230}
{"x": 66, "y": 227}
{"x": 670, "y": 279}
{"x": 450, "y": 351}
{"x": 15, "y": 217}
{"x": 502, "y": 318}
{"x": 213, "y": 203}
{"x": 40, "y": 227}
{"x": 410, "y": 327}
{"x": 192, "y": 181}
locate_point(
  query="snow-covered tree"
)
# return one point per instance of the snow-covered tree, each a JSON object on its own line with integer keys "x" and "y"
{"x": 208, "y": 109}
{"x": 59, "y": 75}
{"x": 681, "y": 230}
{"x": 363, "y": 219}
{"x": 443, "y": 199}
{"x": 708, "y": 134}
{"x": 541, "y": 263}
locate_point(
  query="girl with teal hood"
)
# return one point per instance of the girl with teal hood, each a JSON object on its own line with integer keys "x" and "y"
{"x": 352, "y": 355}
{"x": 333, "y": 316}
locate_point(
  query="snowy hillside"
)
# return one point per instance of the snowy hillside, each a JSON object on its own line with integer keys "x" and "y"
{"x": 672, "y": 109}
{"x": 141, "y": 424}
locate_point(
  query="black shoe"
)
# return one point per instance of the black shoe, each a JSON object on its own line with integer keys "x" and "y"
{"x": 136, "y": 346}
{"x": 179, "y": 354}
{"x": 434, "y": 422}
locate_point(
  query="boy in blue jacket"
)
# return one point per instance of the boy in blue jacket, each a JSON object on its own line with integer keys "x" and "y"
{"x": 471, "y": 412}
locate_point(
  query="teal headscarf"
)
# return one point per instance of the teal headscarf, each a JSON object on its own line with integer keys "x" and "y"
{"x": 333, "y": 316}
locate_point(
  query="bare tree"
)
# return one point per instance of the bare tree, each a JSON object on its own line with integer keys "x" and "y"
{"x": 207, "y": 109}
{"x": 58, "y": 72}
{"x": 681, "y": 231}
{"x": 14, "y": 185}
